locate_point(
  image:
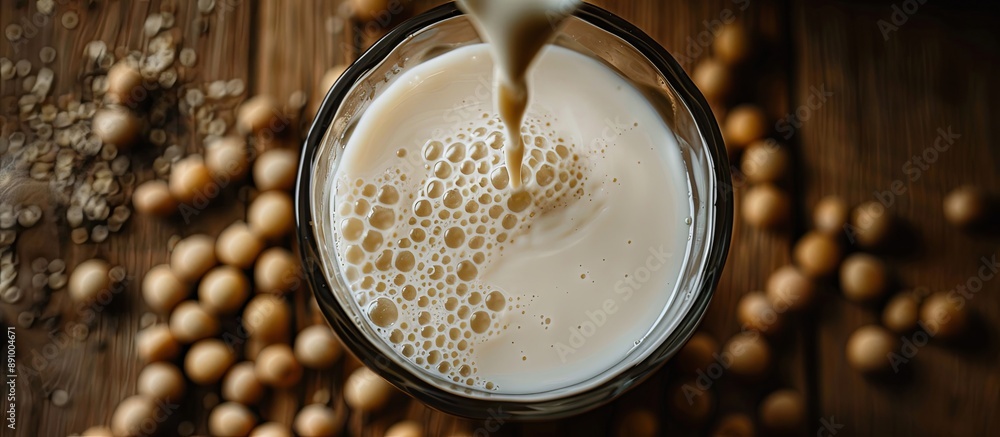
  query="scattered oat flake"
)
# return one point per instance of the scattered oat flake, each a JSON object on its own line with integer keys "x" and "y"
{"x": 47, "y": 54}
{"x": 153, "y": 24}
{"x": 188, "y": 57}
{"x": 217, "y": 89}
{"x": 235, "y": 87}
{"x": 167, "y": 20}
{"x": 46, "y": 6}
{"x": 14, "y": 32}
{"x": 23, "y": 67}
{"x": 95, "y": 49}
{"x": 6, "y": 68}
{"x": 297, "y": 100}
{"x": 194, "y": 97}
{"x": 60, "y": 398}
{"x": 206, "y": 6}
{"x": 70, "y": 20}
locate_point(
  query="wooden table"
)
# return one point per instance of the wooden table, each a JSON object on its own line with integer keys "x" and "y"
{"x": 890, "y": 93}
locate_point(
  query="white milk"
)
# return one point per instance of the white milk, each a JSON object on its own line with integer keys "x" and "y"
{"x": 514, "y": 291}
{"x": 516, "y": 31}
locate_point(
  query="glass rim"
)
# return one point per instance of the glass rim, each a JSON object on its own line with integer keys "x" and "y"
{"x": 719, "y": 194}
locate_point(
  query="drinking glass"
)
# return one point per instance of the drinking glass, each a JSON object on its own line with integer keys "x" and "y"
{"x": 634, "y": 56}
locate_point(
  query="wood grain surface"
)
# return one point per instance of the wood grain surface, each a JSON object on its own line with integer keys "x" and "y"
{"x": 889, "y": 96}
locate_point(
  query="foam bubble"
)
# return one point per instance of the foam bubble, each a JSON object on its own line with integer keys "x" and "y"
{"x": 416, "y": 237}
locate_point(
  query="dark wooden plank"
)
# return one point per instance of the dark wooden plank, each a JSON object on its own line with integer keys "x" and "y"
{"x": 681, "y": 27}
{"x": 890, "y": 97}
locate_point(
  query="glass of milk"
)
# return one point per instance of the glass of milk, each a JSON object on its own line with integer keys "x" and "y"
{"x": 535, "y": 302}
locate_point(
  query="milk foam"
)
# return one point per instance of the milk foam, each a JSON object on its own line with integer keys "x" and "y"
{"x": 497, "y": 288}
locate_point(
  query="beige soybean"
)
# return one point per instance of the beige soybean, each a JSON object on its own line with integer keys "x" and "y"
{"x": 316, "y": 347}
{"x": 317, "y": 420}
{"x": 227, "y": 159}
{"x": 330, "y": 78}
{"x": 698, "y": 353}
{"x": 89, "y": 280}
{"x": 275, "y": 169}
{"x": 764, "y": 161}
{"x": 237, "y": 246}
{"x": 271, "y": 215}
{"x": 192, "y": 257}
{"x": 901, "y": 313}
{"x": 190, "y": 322}
{"x": 687, "y": 408}
{"x": 817, "y": 255}
{"x": 134, "y": 416}
{"x": 276, "y": 271}
{"x": 744, "y": 124}
{"x": 267, "y": 319}
{"x": 162, "y": 290}
{"x": 154, "y": 198}
{"x": 638, "y": 423}
{"x": 276, "y": 366}
{"x": 966, "y": 206}
{"x": 97, "y": 431}
{"x": 830, "y": 215}
{"x": 714, "y": 79}
{"x": 754, "y": 312}
{"x": 271, "y": 429}
{"x": 868, "y": 349}
{"x": 207, "y": 361}
{"x": 871, "y": 225}
{"x": 223, "y": 290}
{"x": 371, "y": 9}
{"x": 191, "y": 181}
{"x": 157, "y": 343}
{"x": 162, "y": 381}
{"x": 125, "y": 85}
{"x": 783, "y": 412}
{"x": 406, "y": 428}
{"x": 789, "y": 290}
{"x": 231, "y": 419}
{"x": 241, "y": 384}
{"x": 260, "y": 114}
{"x": 734, "y": 425}
{"x": 117, "y": 126}
{"x": 766, "y": 206}
{"x": 326, "y": 82}
{"x": 944, "y": 314}
{"x": 749, "y": 354}
{"x": 366, "y": 391}
{"x": 863, "y": 278}
{"x": 733, "y": 45}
